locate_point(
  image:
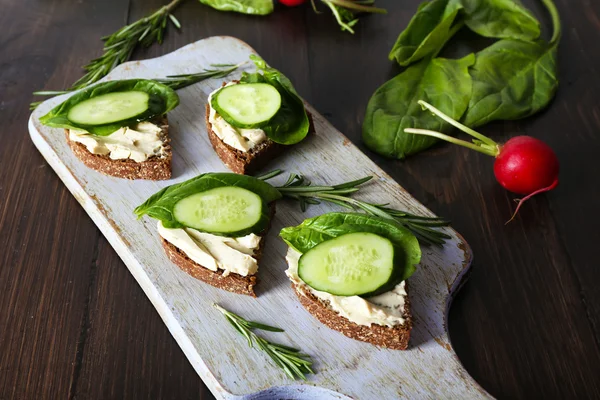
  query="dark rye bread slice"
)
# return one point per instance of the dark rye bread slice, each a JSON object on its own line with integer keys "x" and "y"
{"x": 395, "y": 338}
{"x": 233, "y": 282}
{"x": 246, "y": 163}
{"x": 155, "y": 168}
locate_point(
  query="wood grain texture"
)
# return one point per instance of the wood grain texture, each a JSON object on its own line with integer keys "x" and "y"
{"x": 217, "y": 352}
{"x": 527, "y": 324}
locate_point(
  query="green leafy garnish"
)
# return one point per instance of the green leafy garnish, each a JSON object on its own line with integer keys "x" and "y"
{"x": 160, "y": 205}
{"x": 295, "y": 364}
{"x": 253, "y": 7}
{"x": 393, "y": 107}
{"x": 291, "y": 124}
{"x": 512, "y": 78}
{"x": 162, "y": 100}
{"x": 427, "y": 32}
{"x": 314, "y": 231}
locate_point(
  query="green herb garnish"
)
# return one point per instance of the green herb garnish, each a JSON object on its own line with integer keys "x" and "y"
{"x": 299, "y": 188}
{"x": 119, "y": 46}
{"x": 295, "y": 364}
{"x": 177, "y": 82}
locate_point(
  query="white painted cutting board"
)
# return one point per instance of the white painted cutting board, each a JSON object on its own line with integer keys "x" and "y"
{"x": 344, "y": 367}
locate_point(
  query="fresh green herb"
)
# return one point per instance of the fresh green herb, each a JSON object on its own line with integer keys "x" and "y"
{"x": 162, "y": 100}
{"x": 502, "y": 19}
{"x": 161, "y": 205}
{"x": 119, "y": 46}
{"x": 297, "y": 187}
{"x": 177, "y": 82}
{"x": 252, "y": 7}
{"x": 514, "y": 79}
{"x": 346, "y": 11}
{"x": 393, "y": 107}
{"x": 427, "y": 32}
{"x": 295, "y": 364}
{"x": 313, "y": 231}
{"x": 290, "y": 125}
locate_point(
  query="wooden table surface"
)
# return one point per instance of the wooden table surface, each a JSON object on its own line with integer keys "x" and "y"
{"x": 75, "y": 324}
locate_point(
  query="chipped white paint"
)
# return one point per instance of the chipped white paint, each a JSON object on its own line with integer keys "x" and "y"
{"x": 345, "y": 368}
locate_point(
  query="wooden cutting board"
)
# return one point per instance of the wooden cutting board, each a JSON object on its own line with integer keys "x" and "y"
{"x": 344, "y": 367}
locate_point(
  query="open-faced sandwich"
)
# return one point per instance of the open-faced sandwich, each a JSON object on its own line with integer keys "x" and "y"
{"x": 213, "y": 227}
{"x": 349, "y": 271}
{"x": 249, "y": 121}
{"x": 119, "y": 128}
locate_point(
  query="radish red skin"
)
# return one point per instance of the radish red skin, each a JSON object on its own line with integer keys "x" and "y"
{"x": 292, "y": 3}
{"x": 525, "y": 165}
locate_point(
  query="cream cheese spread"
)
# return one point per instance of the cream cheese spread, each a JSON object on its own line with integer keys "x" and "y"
{"x": 386, "y": 309}
{"x": 137, "y": 143}
{"x": 238, "y": 138}
{"x": 215, "y": 252}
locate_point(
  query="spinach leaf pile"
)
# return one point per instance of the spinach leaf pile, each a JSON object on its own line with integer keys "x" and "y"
{"x": 314, "y": 231}
{"x": 160, "y": 205}
{"x": 290, "y": 124}
{"x": 513, "y": 78}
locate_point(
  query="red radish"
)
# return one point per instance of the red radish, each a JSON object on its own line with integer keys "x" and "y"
{"x": 524, "y": 165}
{"x": 292, "y": 3}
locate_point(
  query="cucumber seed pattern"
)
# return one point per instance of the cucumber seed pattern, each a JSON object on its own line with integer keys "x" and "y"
{"x": 351, "y": 263}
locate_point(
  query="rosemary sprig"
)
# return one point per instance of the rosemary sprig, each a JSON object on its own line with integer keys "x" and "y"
{"x": 299, "y": 188}
{"x": 119, "y": 46}
{"x": 177, "y": 82}
{"x": 295, "y": 364}
{"x": 345, "y": 11}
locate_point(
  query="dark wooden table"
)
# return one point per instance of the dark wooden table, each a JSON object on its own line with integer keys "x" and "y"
{"x": 75, "y": 324}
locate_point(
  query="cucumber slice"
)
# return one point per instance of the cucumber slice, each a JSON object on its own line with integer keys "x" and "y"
{"x": 247, "y": 105}
{"x": 110, "y": 107}
{"x": 223, "y": 210}
{"x": 353, "y": 264}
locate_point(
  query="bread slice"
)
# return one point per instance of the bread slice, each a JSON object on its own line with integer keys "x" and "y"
{"x": 155, "y": 168}
{"x": 233, "y": 282}
{"x": 241, "y": 162}
{"x": 395, "y": 338}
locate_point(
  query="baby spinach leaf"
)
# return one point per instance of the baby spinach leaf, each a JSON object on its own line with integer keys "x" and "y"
{"x": 393, "y": 107}
{"x": 290, "y": 124}
{"x": 163, "y": 99}
{"x": 504, "y": 19}
{"x": 160, "y": 205}
{"x": 427, "y": 32}
{"x": 255, "y": 7}
{"x": 512, "y": 79}
{"x": 314, "y": 231}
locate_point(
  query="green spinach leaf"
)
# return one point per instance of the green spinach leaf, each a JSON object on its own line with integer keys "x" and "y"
{"x": 393, "y": 107}
{"x": 291, "y": 124}
{"x": 163, "y": 98}
{"x": 255, "y": 7}
{"x": 160, "y": 205}
{"x": 316, "y": 230}
{"x": 427, "y": 32}
{"x": 512, "y": 79}
{"x": 504, "y": 19}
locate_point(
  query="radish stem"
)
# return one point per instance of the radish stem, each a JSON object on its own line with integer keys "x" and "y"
{"x": 457, "y": 124}
{"x": 490, "y": 150}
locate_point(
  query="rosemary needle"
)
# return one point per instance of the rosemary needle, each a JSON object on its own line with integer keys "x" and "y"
{"x": 119, "y": 46}
{"x": 295, "y": 364}
{"x": 299, "y": 188}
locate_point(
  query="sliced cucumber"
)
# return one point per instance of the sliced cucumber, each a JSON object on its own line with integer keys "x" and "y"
{"x": 109, "y": 108}
{"x": 348, "y": 265}
{"x": 247, "y": 105}
{"x": 223, "y": 210}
